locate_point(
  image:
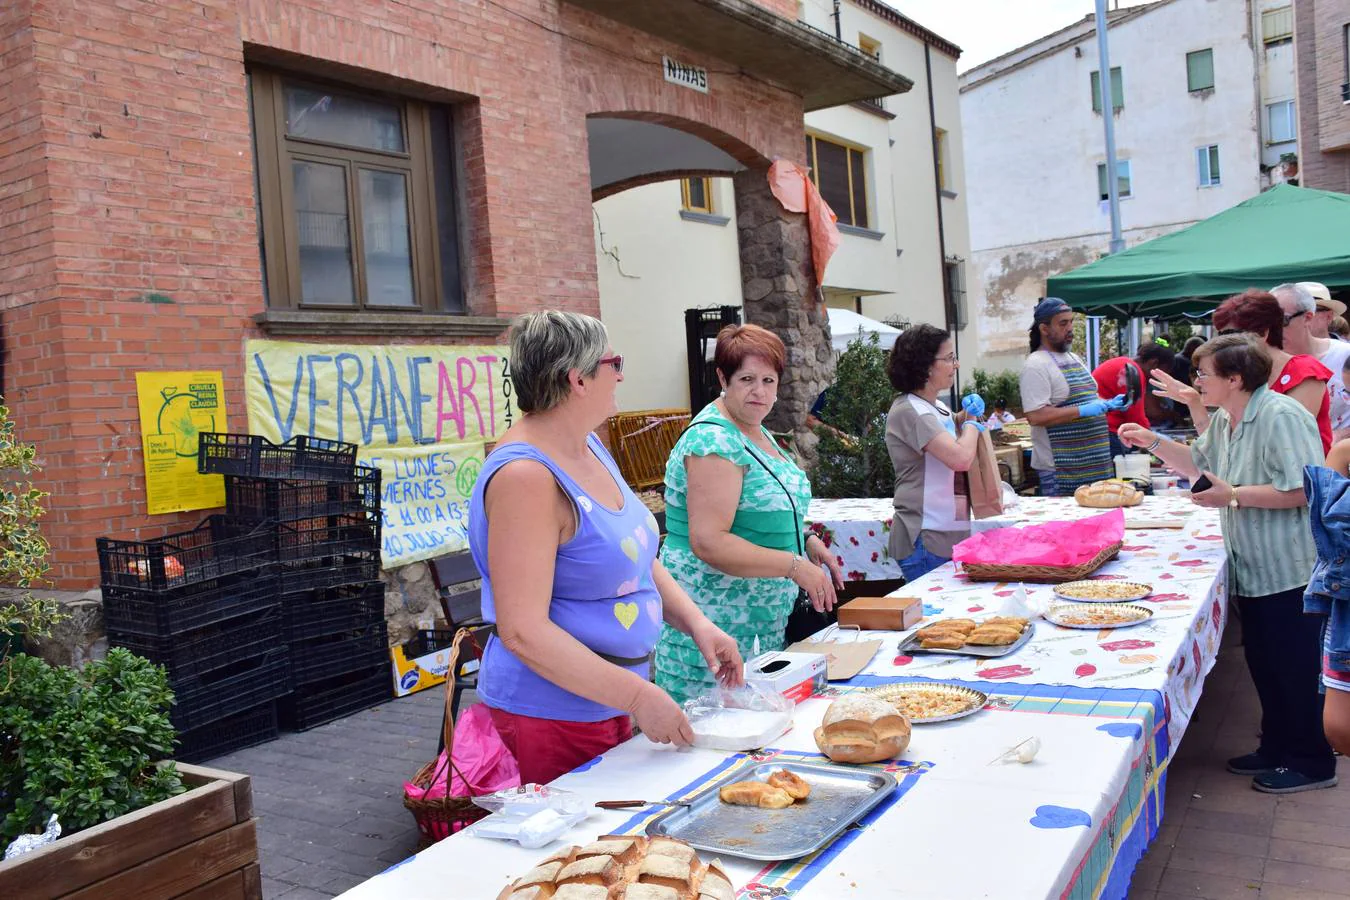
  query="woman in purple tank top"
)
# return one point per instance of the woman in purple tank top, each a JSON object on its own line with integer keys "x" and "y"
{"x": 568, "y": 558}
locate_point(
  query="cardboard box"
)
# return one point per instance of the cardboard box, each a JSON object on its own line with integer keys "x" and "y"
{"x": 794, "y": 675}
{"x": 428, "y": 670}
{"x": 881, "y": 613}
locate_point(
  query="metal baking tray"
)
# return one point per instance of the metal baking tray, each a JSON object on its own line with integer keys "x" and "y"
{"x": 840, "y": 796}
{"x": 910, "y": 646}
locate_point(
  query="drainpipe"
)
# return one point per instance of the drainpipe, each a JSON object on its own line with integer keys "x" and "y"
{"x": 838, "y": 26}
{"x": 942, "y": 234}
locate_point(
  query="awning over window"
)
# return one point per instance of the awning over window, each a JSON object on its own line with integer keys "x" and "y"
{"x": 824, "y": 71}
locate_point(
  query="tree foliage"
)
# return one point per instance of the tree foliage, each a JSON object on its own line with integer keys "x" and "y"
{"x": 852, "y": 456}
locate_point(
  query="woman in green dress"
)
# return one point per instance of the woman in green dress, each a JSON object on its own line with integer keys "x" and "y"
{"x": 734, "y": 516}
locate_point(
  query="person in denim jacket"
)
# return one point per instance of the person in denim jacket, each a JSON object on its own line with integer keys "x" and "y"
{"x": 1328, "y": 593}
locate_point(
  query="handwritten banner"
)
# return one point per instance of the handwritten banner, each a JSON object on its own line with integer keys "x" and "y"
{"x": 419, "y": 413}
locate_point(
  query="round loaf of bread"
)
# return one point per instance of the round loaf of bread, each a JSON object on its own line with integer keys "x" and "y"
{"x": 1108, "y": 495}
{"x": 862, "y": 729}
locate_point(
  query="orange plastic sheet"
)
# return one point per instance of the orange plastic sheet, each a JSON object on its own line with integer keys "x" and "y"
{"x": 792, "y": 186}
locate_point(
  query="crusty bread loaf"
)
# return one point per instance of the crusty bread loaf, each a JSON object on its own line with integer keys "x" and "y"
{"x": 623, "y": 867}
{"x": 755, "y": 793}
{"x": 1108, "y": 495}
{"x": 862, "y": 729}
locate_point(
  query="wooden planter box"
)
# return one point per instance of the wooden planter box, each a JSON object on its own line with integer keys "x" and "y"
{"x": 201, "y": 845}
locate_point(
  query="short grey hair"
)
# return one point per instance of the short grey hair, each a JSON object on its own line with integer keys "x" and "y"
{"x": 545, "y": 346}
{"x": 1303, "y": 298}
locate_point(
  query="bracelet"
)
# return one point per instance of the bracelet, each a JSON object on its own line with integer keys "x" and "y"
{"x": 792, "y": 570}
{"x": 1157, "y": 441}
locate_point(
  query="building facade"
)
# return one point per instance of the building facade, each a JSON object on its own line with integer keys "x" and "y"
{"x": 177, "y": 176}
{"x": 1322, "y": 51}
{"x": 891, "y": 169}
{"x": 1202, "y": 95}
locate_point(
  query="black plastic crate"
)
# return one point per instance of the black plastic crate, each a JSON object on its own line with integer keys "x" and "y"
{"x": 230, "y": 690}
{"x": 219, "y": 546}
{"x": 173, "y": 612}
{"x": 311, "y": 614}
{"x": 428, "y": 640}
{"x": 327, "y": 537}
{"x": 344, "y": 695}
{"x": 354, "y": 567}
{"x": 286, "y": 501}
{"x": 245, "y": 729}
{"x": 319, "y": 659}
{"x": 302, "y": 456}
{"x": 204, "y": 650}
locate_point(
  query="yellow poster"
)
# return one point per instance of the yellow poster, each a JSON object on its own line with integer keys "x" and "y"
{"x": 175, "y": 407}
{"x": 419, "y": 413}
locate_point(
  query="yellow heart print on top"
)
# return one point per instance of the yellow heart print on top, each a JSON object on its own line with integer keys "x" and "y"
{"x": 626, "y": 613}
{"x": 630, "y": 548}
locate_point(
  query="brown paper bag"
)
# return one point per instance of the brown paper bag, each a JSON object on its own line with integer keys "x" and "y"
{"x": 843, "y": 659}
{"x": 986, "y": 488}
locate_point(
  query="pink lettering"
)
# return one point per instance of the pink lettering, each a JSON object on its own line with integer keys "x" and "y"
{"x": 487, "y": 362}
{"x": 445, "y": 395}
{"x": 466, "y": 395}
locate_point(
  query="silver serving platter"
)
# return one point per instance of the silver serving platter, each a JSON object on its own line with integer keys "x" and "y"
{"x": 1144, "y": 591}
{"x": 975, "y": 700}
{"x": 910, "y": 645}
{"x": 839, "y": 797}
{"x": 1054, "y": 613}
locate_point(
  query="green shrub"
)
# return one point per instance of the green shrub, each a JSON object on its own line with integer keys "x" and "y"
{"x": 82, "y": 744}
{"x": 854, "y": 462}
{"x": 23, "y": 550}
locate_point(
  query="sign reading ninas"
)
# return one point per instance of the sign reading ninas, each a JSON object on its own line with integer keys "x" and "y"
{"x": 676, "y": 72}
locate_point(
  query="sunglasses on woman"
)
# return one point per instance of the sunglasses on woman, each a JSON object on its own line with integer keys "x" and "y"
{"x": 616, "y": 361}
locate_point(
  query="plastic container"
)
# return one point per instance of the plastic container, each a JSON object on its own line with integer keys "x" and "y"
{"x": 326, "y": 537}
{"x": 302, "y": 457}
{"x": 314, "y": 705}
{"x": 249, "y": 728}
{"x": 286, "y": 501}
{"x": 318, "y": 660}
{"x": 219, "y": 546}
{"x": 128, "y": 611}
{"x": 207, "y": 649}
{"x": 736, "y": 719}
{"x": 532, "y": 815}
{"x": 351, "y": 567}
{"x": 230, "y": 690}
{"x": 312, "y": 614}
{"x": 1133, "y": 465}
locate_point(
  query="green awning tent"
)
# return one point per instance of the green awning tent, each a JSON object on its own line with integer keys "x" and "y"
{"x": 1286, "y": 234}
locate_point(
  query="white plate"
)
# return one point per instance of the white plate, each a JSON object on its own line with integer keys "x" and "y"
{"x": 1139, "y": 593}
{"x": 974, "y": 700}
{"x": 1056, "y": 614}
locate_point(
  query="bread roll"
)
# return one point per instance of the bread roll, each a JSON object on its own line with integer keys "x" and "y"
{"x": 755, "y": 793}
{"x": 862, "y": 729}
{"x": 1108, "y": 495}
{"x": 794, "y": 784}
{"x": 620, "y": 867}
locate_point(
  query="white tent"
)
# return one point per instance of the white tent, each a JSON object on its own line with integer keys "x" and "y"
{"x": 847, "y": 326}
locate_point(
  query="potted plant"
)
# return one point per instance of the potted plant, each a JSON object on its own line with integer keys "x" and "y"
{"x": 87, "y": 746}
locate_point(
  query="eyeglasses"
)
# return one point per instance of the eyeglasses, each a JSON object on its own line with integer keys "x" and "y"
{"x": 1197, "y": 375}
{"x": 616, "y": 361}
{"x": 1292, "y": 316}
{"x": 950, "y": 357}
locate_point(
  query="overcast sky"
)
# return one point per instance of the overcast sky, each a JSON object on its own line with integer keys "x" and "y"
{"x": 984, "y": 29}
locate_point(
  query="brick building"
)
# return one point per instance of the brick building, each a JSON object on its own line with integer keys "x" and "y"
{"x": 177, "y": 176}
{"x": 1322, "y": 57}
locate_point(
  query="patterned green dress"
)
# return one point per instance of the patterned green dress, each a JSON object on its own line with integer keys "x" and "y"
{"x": 745, "y": 608}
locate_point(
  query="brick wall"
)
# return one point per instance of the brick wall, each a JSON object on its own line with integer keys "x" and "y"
{"x": 128, "y": 229}
{"x": 1324, "y": 120}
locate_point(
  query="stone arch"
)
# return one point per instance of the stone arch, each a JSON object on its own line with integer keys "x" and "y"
{"x": 629, "y": 149}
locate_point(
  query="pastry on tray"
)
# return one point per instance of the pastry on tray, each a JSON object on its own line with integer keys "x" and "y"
{"x": 994, "y": 636}
{"x": 1108, "y": 495}
{"x": 794, "y": 784}
{"x": 623, "y": 867}
{"x": 755, "y": 793}
{"x": 861, "y": 729}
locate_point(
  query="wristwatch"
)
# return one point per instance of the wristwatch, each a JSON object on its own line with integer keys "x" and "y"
{"x": 1233, "y": 502}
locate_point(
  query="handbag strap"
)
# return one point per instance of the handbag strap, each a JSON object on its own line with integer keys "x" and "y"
{"x": 792, "y": 501}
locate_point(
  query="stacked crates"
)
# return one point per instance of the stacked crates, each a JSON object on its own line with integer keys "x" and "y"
{"x": 325, "y": 510}
{"x": 204, "y": 604}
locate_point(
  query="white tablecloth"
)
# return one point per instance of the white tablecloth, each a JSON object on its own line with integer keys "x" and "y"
{"x": 1108, "y": 706}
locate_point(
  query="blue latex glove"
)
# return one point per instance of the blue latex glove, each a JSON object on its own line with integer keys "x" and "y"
{"x": 1094, "y": 408}
{"x": 1116, "y": 402}
{"x": 977, "y": 424}
{"x": 973, "y": 404}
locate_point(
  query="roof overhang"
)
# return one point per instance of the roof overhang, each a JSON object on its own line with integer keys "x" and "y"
{"x": 824, "y": 71}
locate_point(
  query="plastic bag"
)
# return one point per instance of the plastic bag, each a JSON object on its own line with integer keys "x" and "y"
{"x": 532, "y": 815}
{"x": 482, "y": 763}
{"x": 1049, "y": 544}
{"x": 743, "y": 718}
{"x": 27, "y": 842}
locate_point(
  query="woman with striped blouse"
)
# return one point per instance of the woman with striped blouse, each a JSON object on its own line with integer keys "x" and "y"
{"x": 1253, "y": 455}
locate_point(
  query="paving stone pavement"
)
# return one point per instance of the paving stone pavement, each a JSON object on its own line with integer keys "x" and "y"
{"x": 330, "y": 806}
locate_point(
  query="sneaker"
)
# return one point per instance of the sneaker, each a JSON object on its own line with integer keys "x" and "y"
{"x": 1251, "y": 764}
{"x": 1288, "y": 781}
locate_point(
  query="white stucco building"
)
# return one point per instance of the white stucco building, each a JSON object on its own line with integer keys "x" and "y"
{"x": 1203, "y": 95}
{"x": 886, "y": 168}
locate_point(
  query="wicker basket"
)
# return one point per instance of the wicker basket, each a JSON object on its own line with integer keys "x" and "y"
{"x": 642, "y": 440}
{"x": 1041, "y": 574}
{"x": 443, "y": 816}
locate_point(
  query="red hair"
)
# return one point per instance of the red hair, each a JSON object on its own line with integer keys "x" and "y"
{"x": 736, "y": 342}
{"x": 1253, "y": 311}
